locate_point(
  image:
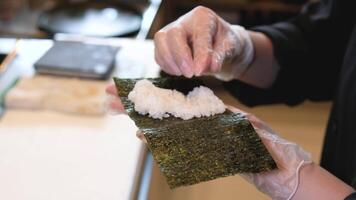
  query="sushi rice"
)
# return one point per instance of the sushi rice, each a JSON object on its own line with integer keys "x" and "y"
{"x": 159, "y": 103}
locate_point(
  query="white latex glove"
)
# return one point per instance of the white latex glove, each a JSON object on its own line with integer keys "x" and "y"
{"x": 200, "y": 42}
{"x": 282, "y": 183}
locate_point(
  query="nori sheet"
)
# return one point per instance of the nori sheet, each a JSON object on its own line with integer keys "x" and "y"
{"x": 199, "y": 149}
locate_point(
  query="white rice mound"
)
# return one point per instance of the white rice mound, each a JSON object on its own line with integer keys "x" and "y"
{"x": 159, "y": 103}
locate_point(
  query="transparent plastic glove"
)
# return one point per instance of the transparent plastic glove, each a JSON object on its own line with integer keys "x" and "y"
{"x": 200, "y": 42}
{"x": 114, "y": 107}
{"x": 282, "y": 183}
{"x": 279, "y": 184}
{"x": 113, "y": 103}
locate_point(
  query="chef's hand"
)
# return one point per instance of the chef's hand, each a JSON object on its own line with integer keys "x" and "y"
{"x": 282, "y": 183}
{"x": 200, "y": 42}
{"x": 297, "y": 177}
{"x": 114, "y": 106}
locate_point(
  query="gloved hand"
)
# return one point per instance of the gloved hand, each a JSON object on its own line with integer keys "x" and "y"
{"x": 200, "y": 42}
{"x": 113, "y": 102}
{"x": 282, "y": 183}
{"x": 279, "y": 184}
{"x": 114, "y": 106}
{"x": 296, "y": 177}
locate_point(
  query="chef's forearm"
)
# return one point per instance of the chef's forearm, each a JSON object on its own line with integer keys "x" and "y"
{"x": 317, "y": 183}
{"x": 264, "y": 69}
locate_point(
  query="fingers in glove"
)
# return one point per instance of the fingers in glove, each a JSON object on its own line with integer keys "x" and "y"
{"x": 227, "y": 45}
{"x": 163, "y": 55}
{"x": 255, "y": 121}
{"x": 140, "y": 135}
{"x": 265, "y": 133}
{"x": 236, "y": 110}
{"x": 283, "y": 152}
{"x": 180, "y": 50}
{"x": 217, "y": 61}
{"x": 113, "y": 105}
{"x": 111, "y": 89}
{"x": 202, "y": 52}
{"x": 201, "y": 33}
{"x": 257, "y": 124}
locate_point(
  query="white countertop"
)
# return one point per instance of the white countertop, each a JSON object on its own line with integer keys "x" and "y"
{"x": 46, "y": 155}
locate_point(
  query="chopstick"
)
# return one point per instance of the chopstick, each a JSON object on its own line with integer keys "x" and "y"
{"x": 10, "y": 57}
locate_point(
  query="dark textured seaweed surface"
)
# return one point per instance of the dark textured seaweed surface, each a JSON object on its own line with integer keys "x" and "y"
{"x": 199, "y": 149}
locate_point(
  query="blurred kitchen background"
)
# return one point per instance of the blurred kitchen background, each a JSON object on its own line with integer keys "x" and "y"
{"x": 44, "y": 18}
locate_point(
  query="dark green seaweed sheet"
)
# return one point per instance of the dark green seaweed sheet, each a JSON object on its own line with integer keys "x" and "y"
{"x": 199, "y": 149}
